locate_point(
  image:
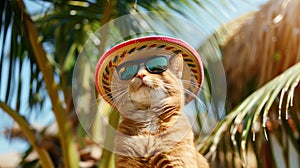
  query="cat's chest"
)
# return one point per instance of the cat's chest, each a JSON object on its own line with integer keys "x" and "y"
{"x": 149, "y": 143}
{"x": 145, "y": 145}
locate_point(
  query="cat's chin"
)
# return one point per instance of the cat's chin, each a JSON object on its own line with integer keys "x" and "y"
{"x": 140, "y": 95}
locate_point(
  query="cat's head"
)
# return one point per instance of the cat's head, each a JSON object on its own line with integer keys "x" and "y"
{"x": 149, "y": 84}
{"x": 183, "y": 76}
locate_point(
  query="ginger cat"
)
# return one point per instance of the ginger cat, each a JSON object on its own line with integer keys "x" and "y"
{"x": 154, "y": 131}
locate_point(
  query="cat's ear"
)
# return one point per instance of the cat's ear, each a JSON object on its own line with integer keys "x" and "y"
{"x": 176, "y": 65}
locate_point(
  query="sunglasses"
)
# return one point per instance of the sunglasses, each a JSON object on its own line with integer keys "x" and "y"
{"x": 154, "y": 65}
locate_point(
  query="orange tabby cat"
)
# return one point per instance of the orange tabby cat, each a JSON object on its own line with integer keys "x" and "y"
{"x": 154, "y": 131}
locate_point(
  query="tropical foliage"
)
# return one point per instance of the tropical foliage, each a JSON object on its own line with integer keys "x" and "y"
{"x": 259, "y": 51}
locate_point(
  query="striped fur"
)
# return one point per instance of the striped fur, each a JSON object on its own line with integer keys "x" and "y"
{"x": 154, "y": 132}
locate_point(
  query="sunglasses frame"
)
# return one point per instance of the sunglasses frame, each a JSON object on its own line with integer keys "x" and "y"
{"x": 139, "y": 62}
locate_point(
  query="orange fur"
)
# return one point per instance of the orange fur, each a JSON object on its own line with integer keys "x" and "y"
{"x": 154, "y": 131}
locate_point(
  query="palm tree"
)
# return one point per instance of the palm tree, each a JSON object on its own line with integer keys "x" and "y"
{"x": 48, "y": 43}
{"x": 267, "y": 46}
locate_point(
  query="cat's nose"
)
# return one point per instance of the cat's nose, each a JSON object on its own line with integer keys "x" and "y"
{"x": 142, "y": 72}
{"x": 141, "y": 75}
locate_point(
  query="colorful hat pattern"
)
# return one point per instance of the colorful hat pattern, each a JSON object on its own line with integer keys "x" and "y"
{"x": 144, "y": 46}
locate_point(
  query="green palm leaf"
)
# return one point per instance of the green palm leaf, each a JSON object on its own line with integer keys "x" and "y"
{"x": 254, "y": 111}
{"x": 15, "y": 56}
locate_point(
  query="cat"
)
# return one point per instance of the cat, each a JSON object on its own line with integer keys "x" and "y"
{"x": 154, "y": 131}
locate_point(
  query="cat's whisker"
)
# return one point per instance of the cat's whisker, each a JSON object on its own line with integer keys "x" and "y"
{"x": 194, "y": 95}
{"x": 119, "y": 95}
{"x": 194, "y": 84}
{"x": 116, "y": 91}
{"x": 113, "y": 85}
{"x": 188, "y": 92}
{"x": 95, "y": 102}
{"x": 203, "y": 89}
{"x": 119, "y": 92}
{"x": 123, "y": 100}
{"x": 120, "y": 100}
{"x": 92, "y": 121}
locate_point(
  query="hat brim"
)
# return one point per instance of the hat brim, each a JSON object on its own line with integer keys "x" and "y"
{"x": 192, "y": 73}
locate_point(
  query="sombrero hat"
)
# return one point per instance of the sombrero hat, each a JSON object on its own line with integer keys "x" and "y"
{"x": 146, "y": 46}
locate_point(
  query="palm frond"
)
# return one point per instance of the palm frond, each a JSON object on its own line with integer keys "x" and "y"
{"x": 254, "y": 112}
{"x": 270, "y": 35}
{"x": 15, "y": 56}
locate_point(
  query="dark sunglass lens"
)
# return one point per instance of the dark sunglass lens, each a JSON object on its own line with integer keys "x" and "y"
{"x": 157, "y": 65}
{"x": 128, "y": 72}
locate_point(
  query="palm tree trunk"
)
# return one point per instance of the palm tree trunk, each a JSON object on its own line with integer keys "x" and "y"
{"x": 70, "y": 153}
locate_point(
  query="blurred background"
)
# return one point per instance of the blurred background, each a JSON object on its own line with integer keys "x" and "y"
{"x": 257, "y": 42}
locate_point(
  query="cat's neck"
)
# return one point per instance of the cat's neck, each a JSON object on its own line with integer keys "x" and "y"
{"x": 153, "y": 121}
